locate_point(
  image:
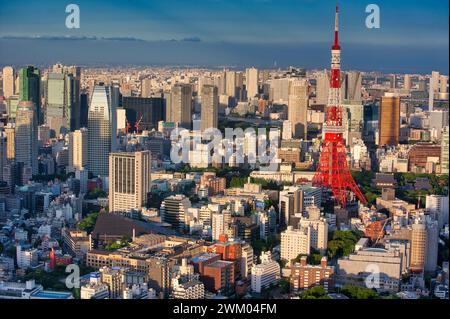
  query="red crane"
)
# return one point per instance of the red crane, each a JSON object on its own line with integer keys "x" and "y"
{"x": 128, "y": 126}
{"x": 333, "y": 171}
{"x": 136, "y": 126}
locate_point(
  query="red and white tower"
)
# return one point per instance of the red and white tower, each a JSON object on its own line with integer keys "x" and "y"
{"x": 333, "y": 171}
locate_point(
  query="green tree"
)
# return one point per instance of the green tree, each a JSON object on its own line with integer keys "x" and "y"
{"x": 88, "y": 223}
{"x": 238, "y": 181}
{"x": 95, "y": 193}
{"x": 356, "y": 292}
{"x": 317, "y": 292}
{"x": 284, "y": 285}
{"x": 342, "y": 243}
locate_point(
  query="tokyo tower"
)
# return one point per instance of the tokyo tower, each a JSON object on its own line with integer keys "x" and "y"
{"x": 333, "y": 171}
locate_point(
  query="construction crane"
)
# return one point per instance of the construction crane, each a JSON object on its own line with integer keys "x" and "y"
{"x": 382, "y": 230}
{"x": 127, "y": 127}
{"x": 136, "y": 126}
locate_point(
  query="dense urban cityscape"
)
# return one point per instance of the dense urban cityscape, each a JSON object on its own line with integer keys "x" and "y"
{"x": 223, "y": 183}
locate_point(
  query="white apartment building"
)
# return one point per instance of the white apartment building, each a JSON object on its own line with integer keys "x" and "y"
{"x": 437, "y": 205}
{"x": 26, "y": 258}
{"x": 295, "y": 242}
{"x": 265, "y": 273}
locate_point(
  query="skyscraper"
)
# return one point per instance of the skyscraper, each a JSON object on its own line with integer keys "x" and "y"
{"x": 60, "y": 111}
{"x": 129, "y": 180}
{"x": 433, "y": 89}
{"x": 8, "y": 81}
{"x": 101, "y": 130}
{"x": 179, "y": 103}
{"x": 26, "y": 137}
{"x": 10, "y": 132}
{"x": 150, "y": 110}
{"x": 252, "y": 76}
{"x": 30, "y": 89}
{"x": 75, "y": 72}
{"x": 210, "y": 107}
{"x": 407, "y": 82}
{"x": 437, "y": 206}
{"x": 84, "y": 109}
{"x": 298, "y": 107}
{"x": 389, "y": 122}
{"x": 418, "y": 247}
{"x": 78, "y": 149}
{"x": 322, "y": 87}
{"x": 353, "y": 83}
{"x": 3, "y": 151}
{"x": 146, "y": 87}
{"x": 445, "y": 150}
{"x": 230, "y": 86}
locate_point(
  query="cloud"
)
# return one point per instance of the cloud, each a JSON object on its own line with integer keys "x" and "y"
{"x": 92, "y": 38}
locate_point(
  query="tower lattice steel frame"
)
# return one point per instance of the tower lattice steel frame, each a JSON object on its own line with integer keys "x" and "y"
{"x": 333, "y": 171}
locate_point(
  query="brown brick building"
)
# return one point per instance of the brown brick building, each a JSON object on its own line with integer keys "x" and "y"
{"x": 219, "y": 275}
{"x": 419, "y": 154}
{"x": 304, "y": 276}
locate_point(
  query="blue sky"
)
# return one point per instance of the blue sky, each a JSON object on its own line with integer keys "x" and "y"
{"x": 410, "y": 27}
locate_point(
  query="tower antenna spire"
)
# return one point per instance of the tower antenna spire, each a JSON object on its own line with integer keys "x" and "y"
{"x": 336, "y": 28}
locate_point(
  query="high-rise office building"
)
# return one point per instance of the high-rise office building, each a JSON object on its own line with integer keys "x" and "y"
{"x": 445, "y": 150}
{"x": 10, "y": 132}
{"x": 322, "y": 87}
{"x": 393, "y": 81}
{"x": 424, "y": 245}
{"x": 437, "y": 206}
{"x": 8, "y": 81}
{"x": 101, "y": 130}
{"x": 407, "y": 82}
{"x": 30, "y": 89}
{"x": 84, "y": 109}
{"x": 129, "y": 180}
{"x": 3, "y": 151}
{"x": 433, "y": 89}
{"x": 146, "y": 87}
{"x": 150, "y": 110}
{"x": 75, "y": 73}
{"x": 210, "y": 107}
{"x": 60, "y": 111}
{"x": 298, "y": 107}
{"x": 353, "y": 84}
{"x": 179, "y": 105}
{"x": 26, "y": 141}
{"x": 230, "y": 86}
{"x": 252, "y": 77}
{"x": 389, "y": 120}
{"x": 234, "y": 84}
{"x": 78, "y": 149}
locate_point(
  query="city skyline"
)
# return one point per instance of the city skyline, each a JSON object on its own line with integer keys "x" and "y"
{"x": 216, "y": 33}
{"x": 225, "y": 183}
